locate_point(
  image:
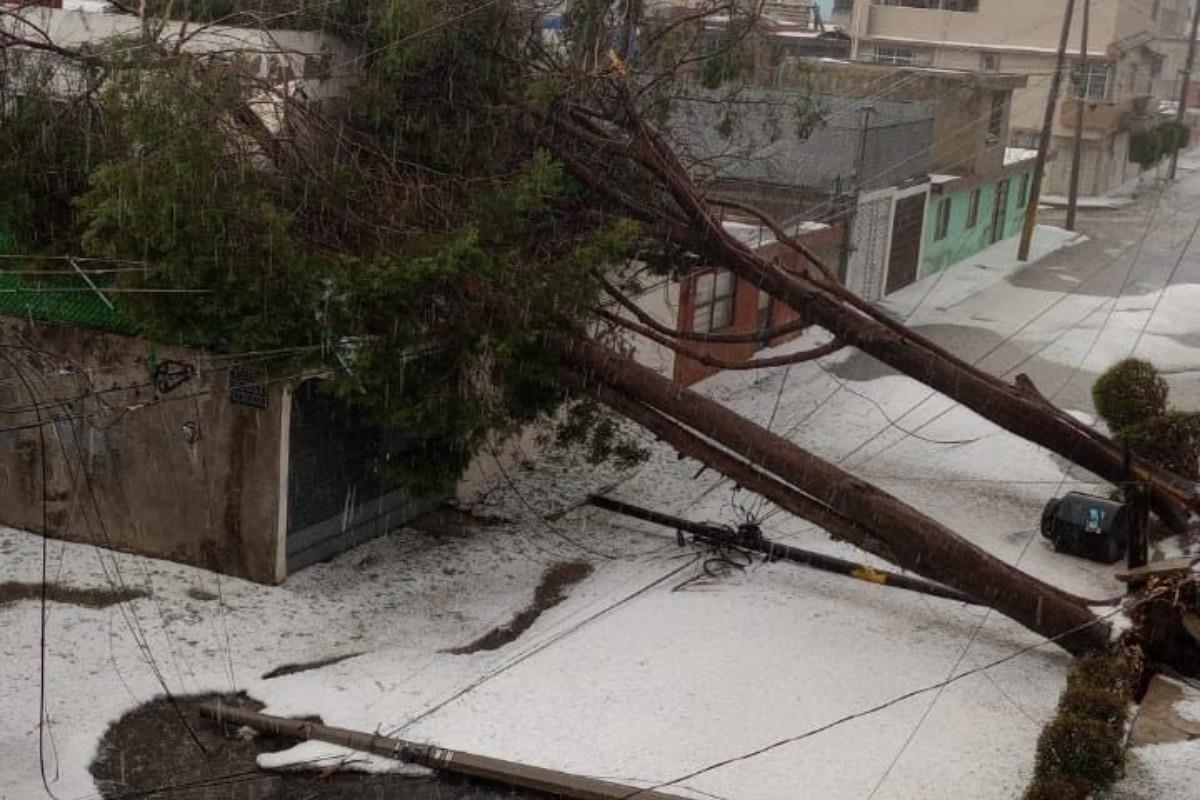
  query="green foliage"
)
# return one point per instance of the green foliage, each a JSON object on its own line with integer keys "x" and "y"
{"x": 176, "y": 193}
{"x": 1145, "y": 148}
{"x": 1128, "y": 393}
{"x": 1081, "y": 751}
{"x": 1171, "y": 440}
{"x": 41, "y": 169}
{"x": 1131, "y": 397}
{"x": 1174, "y": 136}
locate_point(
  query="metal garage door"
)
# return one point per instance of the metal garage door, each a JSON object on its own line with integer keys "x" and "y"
{"x": 336, "y": 495}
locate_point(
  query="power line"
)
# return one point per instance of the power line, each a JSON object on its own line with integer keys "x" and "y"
{"x": 889, "y": 703}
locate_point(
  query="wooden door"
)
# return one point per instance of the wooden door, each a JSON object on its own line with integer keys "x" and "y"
{"x": 907, "y": 229}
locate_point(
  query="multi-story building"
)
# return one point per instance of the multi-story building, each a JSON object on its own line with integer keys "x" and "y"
{"x": 1021, "y": 36}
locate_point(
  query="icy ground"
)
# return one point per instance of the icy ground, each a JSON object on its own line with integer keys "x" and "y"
{"x": 628, "y": 678}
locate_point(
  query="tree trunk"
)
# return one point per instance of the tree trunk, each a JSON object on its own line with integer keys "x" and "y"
{"x": 918, "y": 543}
{"x": 688, "y": 221}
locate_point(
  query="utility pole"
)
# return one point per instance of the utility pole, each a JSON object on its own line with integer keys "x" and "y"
{"x": 1185, "y": 89}
{"x": 1080, "y": 100}
{"x": 850, "y": 203}
{"x": 1035, "y": 191}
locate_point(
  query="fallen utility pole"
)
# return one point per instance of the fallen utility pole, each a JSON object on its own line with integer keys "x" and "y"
{"x": 1035, "y": 191}
{"x": 749, "y": 537}
{"x": 552, "y": 782}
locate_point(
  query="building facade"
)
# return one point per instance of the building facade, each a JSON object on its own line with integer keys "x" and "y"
{"x": 1021, "y": 37}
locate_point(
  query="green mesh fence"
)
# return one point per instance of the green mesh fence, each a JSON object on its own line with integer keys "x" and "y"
{"x": 59, "y": 298}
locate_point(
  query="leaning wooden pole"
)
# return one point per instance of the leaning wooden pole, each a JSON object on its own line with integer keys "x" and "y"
{"x": 1039, "y": 168}
{"x": 508, "y": 773}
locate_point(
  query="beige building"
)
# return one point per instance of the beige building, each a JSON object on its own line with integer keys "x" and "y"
{"x": 1021, "y": 37}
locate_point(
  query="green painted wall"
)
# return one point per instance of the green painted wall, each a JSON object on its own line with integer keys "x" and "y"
{"x": 960, "y": 241}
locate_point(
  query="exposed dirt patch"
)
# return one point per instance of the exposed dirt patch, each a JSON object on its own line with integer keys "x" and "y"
{"x": 292, "y": 669}
{"x": 150, "y": 751}
{"x": 197, "y": 593}
{"x": 550, "y": 592}
{"x": 91, "y": 598}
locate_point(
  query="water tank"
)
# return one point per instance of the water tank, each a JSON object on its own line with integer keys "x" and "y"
{"x": 1088, "y": 526}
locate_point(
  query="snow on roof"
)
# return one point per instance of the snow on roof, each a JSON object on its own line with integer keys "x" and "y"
{"x": 1015, "y": 155}
{"x": 937, "y": 180}
{"x": 757, "y": 236}
{"x": 970, "y": 45}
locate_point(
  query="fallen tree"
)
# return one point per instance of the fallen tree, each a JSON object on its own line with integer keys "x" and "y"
{"x": 609, "y": 124}
{"x": 459, "y": 227}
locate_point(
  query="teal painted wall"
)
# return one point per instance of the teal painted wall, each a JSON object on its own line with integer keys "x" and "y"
{"x": 960, "y": 241}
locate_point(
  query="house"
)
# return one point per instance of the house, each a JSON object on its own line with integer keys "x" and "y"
{"x": 216, "y": 461}
{"x": 313, "y": 67}
{"x": 178, "y": 453}
{"x": 1021, "y": 37}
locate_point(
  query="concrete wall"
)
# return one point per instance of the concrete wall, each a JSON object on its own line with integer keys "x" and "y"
{"x": 961, "y": 103}
{"x": 963, "y": 241}
{"x": 122, "y": 468}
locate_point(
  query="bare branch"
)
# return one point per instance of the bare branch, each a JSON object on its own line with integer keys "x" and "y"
{"x": 720, "y": 363}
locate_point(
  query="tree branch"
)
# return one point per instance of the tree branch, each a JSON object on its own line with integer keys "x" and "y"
{"x": 714, "y": 338}
{"x": 720, "y": 363}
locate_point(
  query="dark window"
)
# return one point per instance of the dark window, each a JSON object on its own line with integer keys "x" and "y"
{"x": 764, "y": 311}
{"x": 943, "y": 219}
{"x": 712, "y": 301}
{"x": 996, "y": 118}
{"x": 1023, "y": 191}
{"x": 973, "y": 208}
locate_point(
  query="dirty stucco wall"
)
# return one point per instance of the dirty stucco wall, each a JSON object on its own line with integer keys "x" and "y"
{"x": 185, "y": 474}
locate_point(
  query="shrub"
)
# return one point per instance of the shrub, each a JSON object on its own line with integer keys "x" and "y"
{"x": 1145, "y": 148}
{"x": 1171, "y": 441}
{"x": 1173, "y": 136}
{"x": 1073, "y": 747}
{"x": 1129, "y": 393}
{"x": 1059, "y": 789}
{"x": 1082, "y": 751}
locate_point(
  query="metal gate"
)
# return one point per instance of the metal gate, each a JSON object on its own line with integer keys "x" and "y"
{"x": 999, "y": 212}
{"x": 904, "y": 260}
{"x": 337, "y": 496}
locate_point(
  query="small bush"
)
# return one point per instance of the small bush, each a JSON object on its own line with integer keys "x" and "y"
{"x": 1059, "y": 789}
{"x": 1145, "y": 148}
{"x": 1077, "y": 748}
{"x": 1173, "y": 136}
{"x": 1094, "y": 704}
{"x": 1082, "y": 750}
{"x": 1171, "y": 441}
{"x": 1129, "y": 393}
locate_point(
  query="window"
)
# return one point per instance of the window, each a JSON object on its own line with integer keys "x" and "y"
{"x": 764, "y": 311}
{"x": 1023, "y": 191}
{"x": 943, "y": 219}
{"x": 1093, "y": 80}
{"x": 973, "y": 208}
{"x": 996, "y": 117}
{"x": 1027, "y": 140}
{"x": 712, "y": 301}
{"x": 989, "y": 62}
{"x": 902, "y": 56}
{"x": 943, "y": 5}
